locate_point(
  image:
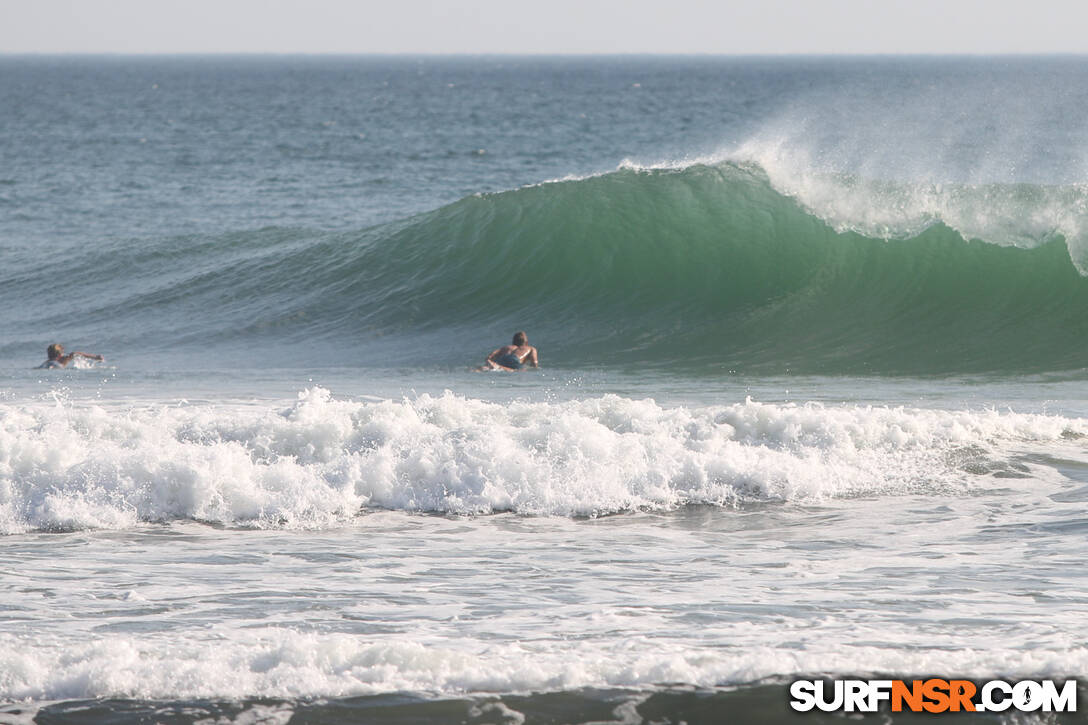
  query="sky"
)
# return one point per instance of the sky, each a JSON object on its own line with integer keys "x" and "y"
{"x": 546, "y": 26}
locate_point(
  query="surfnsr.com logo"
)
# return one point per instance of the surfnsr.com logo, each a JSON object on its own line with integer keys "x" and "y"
{"x": 933, "y": 695}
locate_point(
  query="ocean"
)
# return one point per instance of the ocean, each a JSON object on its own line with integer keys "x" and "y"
{"x": 812, "y": 400}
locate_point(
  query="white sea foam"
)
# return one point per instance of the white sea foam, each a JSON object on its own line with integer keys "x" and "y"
{"x": 287, "y": 664}
{"x": 319, "y": 461}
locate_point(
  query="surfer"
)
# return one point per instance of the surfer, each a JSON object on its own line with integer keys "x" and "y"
{"x": 513, "y": 357}
{"x": 57, "y": 358}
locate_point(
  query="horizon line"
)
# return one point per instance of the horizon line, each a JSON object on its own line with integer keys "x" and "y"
{"x": 504, "y": 54}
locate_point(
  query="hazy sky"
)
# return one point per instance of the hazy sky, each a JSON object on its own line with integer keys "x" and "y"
{"x": 545, "y": 26}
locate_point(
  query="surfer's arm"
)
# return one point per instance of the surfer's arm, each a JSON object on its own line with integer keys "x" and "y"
{"x": 88, "y": 355}
{"x": 531, "y": 359}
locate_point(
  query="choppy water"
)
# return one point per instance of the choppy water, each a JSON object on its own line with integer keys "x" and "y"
{"x": 812, "y": 400}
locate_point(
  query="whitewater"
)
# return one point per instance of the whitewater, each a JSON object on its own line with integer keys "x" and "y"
{"x": 813, "y": 336}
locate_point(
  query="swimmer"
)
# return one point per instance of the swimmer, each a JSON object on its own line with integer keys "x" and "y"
{"x": 57, "y": 358}
{"x": 513, "y": 357}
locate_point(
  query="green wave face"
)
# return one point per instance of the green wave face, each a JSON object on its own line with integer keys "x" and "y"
{"x": 703, "y": 269}
{"x": 708, "y": 268}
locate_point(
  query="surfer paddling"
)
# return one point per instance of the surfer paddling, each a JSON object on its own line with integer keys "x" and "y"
{"x": 513, "y": 357}
{"x": 57, "y": 358}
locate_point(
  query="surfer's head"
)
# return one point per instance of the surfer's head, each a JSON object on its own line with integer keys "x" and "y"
{"x": 520, "y": 338}
{"x": 54, "y": 351}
